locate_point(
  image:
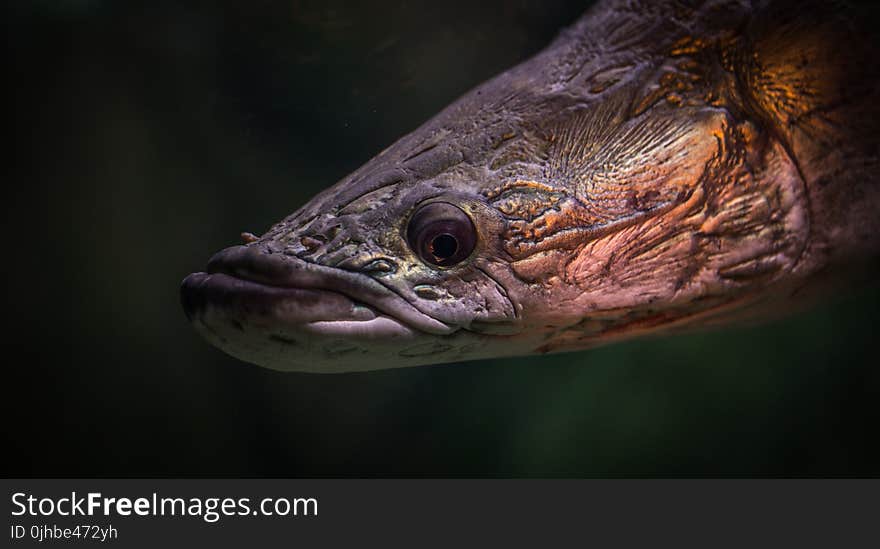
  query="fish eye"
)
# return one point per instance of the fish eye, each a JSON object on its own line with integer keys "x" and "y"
{"x": 441, "y": 234}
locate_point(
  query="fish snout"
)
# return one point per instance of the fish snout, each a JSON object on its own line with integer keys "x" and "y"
{"x": 283, "y": 312}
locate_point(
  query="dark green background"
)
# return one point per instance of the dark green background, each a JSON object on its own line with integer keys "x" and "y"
{"x": 147, "y": 135}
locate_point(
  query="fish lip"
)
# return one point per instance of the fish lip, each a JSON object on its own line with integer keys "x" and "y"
{"x": 222, "y": 291}
{"x": 248, "y": 277}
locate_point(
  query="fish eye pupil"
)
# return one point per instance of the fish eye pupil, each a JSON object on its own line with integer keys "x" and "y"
{"x": 444, "y": 246}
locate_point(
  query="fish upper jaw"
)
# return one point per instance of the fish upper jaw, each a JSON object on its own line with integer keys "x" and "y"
{"x": 280, "y": 270}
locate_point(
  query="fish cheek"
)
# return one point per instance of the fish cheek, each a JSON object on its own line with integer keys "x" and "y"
{"x": 459, "y": 297}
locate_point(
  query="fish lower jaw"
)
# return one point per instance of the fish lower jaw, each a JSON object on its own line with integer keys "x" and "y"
{"x": 324, "y": 346}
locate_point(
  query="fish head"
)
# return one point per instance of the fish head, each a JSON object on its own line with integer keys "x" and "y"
{"x": 399, "y": 264}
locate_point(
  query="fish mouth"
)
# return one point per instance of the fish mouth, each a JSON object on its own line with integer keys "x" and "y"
{"x": 249, "y": 299}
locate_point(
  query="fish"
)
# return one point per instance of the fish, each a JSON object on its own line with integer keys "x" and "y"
{"x": 660, "y": 167}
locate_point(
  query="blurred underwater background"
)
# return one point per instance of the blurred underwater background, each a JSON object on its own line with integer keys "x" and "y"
{"x": 148, "y": 135}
